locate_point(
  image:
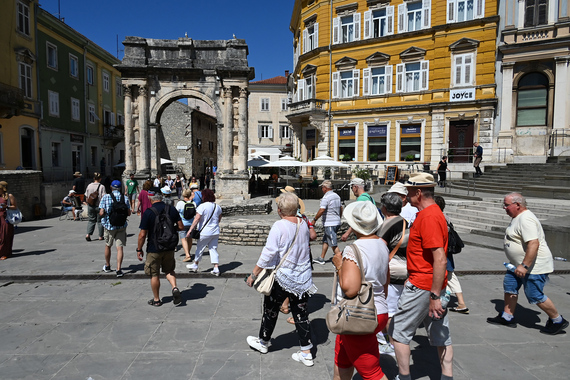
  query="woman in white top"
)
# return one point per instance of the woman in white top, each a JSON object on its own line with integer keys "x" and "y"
{"x": 293, "y": 279}
{"x": 208, "y": 216}
{"x": 361, "y": 351}
{"x": 186, "y": 240}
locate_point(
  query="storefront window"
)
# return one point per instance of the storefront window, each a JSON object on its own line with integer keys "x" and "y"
{"x": 377, "y": 143}
{"x": 346, "y": 144}
{"x": 410, "y": 142}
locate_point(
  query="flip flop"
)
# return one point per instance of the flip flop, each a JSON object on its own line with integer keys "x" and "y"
{"x": 152, "y": 302}
{"x": 186, "y": 259}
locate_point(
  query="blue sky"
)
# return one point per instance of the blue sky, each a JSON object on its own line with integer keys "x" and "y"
{"x": 264, "y": 24}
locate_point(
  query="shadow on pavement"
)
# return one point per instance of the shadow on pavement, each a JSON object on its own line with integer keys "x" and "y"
{"x": 230, "y": 266}
{"x": 197, "y": 291}
{"x": 524, "y": 316}
{"x": 425, "y": 360}
{"x": 30, "y": 253}
{"x": 134, "y": 268}
{"x": 21, "y": 230}
{"x": 317, "y": 301}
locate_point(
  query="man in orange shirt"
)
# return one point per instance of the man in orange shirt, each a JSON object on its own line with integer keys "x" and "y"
{"x": 423, "y": 298}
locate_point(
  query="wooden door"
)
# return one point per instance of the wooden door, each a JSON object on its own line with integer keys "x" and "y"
{"x": 460, "y": 141}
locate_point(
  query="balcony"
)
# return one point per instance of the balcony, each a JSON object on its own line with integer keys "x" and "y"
{"x": 305, "y": 108}
{"x": 512, "y": 35}
{"x": 12, "y": 101}
{"x": 113, "y": 134}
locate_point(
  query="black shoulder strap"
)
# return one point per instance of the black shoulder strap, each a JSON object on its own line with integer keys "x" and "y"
{"x": 208, "y": 221}
{"x": 113, "y": 197}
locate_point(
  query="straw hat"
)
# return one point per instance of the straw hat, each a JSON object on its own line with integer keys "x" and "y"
{"x": 4, "y": 185}
{"x": 165, "y": 190}
{"x": 398, "y": 188}
{"x": 363, "y": 217}
{"x": 421, "y": 180}
{"x": 77, "y": 174}
{"x": 291, "y": 189}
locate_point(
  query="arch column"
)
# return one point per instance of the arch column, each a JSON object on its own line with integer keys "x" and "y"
{"x": 228, "y": 151}
{"x": 129, "y": 137}
{"x": 143, "y": 130}
{"x": 561, "y": 94}
{"x": 242, "y": 132}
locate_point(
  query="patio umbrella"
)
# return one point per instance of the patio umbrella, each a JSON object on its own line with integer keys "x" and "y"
{"x": 257, "y": 162}
{"x": 165, "y": 161}
{"x": 326, "y": 161}
{"x": 284, "y": 162}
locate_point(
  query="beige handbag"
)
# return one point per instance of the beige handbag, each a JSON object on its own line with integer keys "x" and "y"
{"x": 353, "y": 316}
{"x": 264, "y": 281}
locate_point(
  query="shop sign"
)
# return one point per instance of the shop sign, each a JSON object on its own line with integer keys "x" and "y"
{"x": 378, "y": 131}
{"x": 462, "y": 95}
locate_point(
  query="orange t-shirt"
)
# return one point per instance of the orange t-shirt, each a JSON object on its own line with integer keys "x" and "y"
{"x": 428, "y": 231}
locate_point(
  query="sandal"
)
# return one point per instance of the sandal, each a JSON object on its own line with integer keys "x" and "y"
{"x": 152, "y": 302}
{"x": 463, "y": 310}
{"x": 284, "y": 310}
{"x": 176, "y": 296}
{"x": 186, "y": 259}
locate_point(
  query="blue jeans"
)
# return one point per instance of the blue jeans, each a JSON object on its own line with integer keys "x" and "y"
{"x": 533, "y": 286}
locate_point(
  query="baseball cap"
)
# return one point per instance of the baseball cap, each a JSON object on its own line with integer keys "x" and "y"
{"x": 398, "y": 188}
{"x": 116, "y": 184}
{"x": 357, "y": 182}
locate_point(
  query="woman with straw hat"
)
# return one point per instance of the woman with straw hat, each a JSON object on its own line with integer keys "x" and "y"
{"x": 7, "y": 201}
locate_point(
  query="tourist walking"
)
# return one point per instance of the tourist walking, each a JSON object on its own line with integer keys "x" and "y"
{"x": 114, "y": 210}
{"x": 288, "y": 236}
{"x": 357, "y": 187}
{"x": 187, "y": 210}
{"x": 144, "y": 200}
{"x": 131, "y": 191}
{"x": 198, "y": 197}
{"x": 159, "y": 255}
{"x": 7, "y": 202}
{"x": 361, "y": 351}
{"x": 331, "y": 211}
{"x": 477, "y": 156}
{"x": 207, "y": 222}
{"x": 526, "y": 249}
{"x": 94, "y": 218}
{"x": 442, "y": 171}
{"x": 179, "y": 186}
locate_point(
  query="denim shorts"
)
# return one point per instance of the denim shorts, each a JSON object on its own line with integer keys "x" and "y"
{"x": 533, "y": 286}
{"x": 329, "y": 236}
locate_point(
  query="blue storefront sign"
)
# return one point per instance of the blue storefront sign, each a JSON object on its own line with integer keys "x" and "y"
{"x": 378, "y": 131}
{"x": 411, "y": 130}
{"x": 346, "y": 132}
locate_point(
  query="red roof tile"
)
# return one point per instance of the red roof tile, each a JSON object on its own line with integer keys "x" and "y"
{"x": 275, "y": 80}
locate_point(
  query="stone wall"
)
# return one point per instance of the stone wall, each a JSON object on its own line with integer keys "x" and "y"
{"x": 25, "y": 186}
{"x": 246, "y": 208}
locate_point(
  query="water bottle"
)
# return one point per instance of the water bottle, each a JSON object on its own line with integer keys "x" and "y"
{"x": 560, "y": 258}
{"x": 444, "y": 298}
{"x": 510, "y": 267}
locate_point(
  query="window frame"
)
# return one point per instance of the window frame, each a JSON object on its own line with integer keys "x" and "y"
{"x": 353, "y": 138}
{"x": 401, "y": 136}
{"x": 285, "y": 131}
{"x": 463, "y": 66}
{"x": 90, "y": 74}
{"x": 265, "y": 131}
{"x": 56, "y": 161}
{"x": 73, "y": 59}
{"x": 311, "y": 39}
{"x": 23, "y": 18}
{"x": 118, "y": 87}
{"x": 402, "y": 78}
{"x": 403, "y": 15}
{"x": 53, "y": 103}
{"x": 544, "y": 107}
{"x": 338, "y": 28}
{"x": 368, "y": 78}
{"x": 338, "y": 80}
{"x": 264, "y": 104}
{"x": 106, "y": 82}
{"x": 92, "y": 114}
{"x": 51, "y": 52}
{"x": 535, "y": 13}
{"x": 25, "y": 79}
{"x": 452, "y": 12}
{"x": 75, "y": 109}
{"x": 369, "y": 24}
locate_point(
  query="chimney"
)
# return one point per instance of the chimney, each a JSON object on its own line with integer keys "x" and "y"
{"x": 286, "y": 73}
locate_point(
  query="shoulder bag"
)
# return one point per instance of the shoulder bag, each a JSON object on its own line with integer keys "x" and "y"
{"x": 196, "y": 232}
{"x": 93, "y": 197}
{"x": 13, "y": 216}
{"x": 353, "y": 316}
{"x": 264, "y": 281}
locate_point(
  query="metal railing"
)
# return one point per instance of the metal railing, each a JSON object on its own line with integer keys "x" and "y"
{"x": 471, "y": 183}
{"x": 558, "y": 138}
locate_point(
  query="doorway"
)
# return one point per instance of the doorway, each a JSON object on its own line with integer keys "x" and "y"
{"x": 27, "y": 148}
{"x": 460, "y": 141}
{"x": 76, "y": 158}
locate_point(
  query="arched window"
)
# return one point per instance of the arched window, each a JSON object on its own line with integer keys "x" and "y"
{"x": 532, "y": 104}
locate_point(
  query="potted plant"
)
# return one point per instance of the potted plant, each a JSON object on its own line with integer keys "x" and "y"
{"x": 373, "y": 157}
{"x": 327, "y": 173}
{"x": 410, "y": 157}
{"x": 346, "y": 157}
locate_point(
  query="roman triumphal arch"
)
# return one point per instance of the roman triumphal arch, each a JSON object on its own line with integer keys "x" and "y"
{"x": 157, "y": 72}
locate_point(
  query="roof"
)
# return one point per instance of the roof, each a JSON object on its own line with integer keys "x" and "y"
{"x": 275, "y": 80}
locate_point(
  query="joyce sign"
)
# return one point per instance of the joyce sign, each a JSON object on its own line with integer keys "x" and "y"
{"x": 462, "y": 95}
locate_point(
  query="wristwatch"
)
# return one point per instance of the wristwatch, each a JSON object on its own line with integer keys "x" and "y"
{"x": 139, "y": 250}
{"x": 524, "y": 266}
{"x": 433, "y": 296}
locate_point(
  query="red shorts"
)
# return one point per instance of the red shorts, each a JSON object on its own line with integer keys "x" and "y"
{"x": 361, "y": 352}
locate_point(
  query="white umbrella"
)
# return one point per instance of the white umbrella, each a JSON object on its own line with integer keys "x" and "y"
{"x": 257, "y": 162}
{"x": 258, "y": 153}
{"x": 165, "y": 161}
{"x": 327, "y": 162}
{"x": 284, "y": 162}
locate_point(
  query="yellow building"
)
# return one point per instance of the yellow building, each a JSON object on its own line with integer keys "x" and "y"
{"x": 398, "y": 82}
{"x": 19, "y": 106}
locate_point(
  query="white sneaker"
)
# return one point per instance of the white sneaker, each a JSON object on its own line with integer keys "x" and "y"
{"x": 306, "y": 359}
{"x": 386, "y": 349}
{"x": 216, "y": 271}
{"x": 257, "y": 344}
{"x": 193, "y": 267}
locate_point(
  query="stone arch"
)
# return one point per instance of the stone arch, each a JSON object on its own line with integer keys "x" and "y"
{"x": 171, "y": 96}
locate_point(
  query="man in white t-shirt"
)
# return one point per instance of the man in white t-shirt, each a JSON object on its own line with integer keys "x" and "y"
{"x": 331, "y": 211}
{"x": 527, "y": 250}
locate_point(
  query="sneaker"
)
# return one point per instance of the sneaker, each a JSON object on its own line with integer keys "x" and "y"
{"x": 552, "y": 328}
{"x": 306, "y": 359}
{"x": 386, "y": 349}
{"x": 120, "y": 273}
{"x": 499, "y": 320}
{"x": 193, "y": 267}
{"x": 257, "y": 344}
{"x": 319, "y": 260}
{"x": 106, "y": 268}
{"x": 216, "y": 271}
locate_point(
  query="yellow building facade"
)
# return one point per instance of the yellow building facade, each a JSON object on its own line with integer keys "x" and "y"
{"x": 393, "y": 81}
{"x": 19, "y": 106}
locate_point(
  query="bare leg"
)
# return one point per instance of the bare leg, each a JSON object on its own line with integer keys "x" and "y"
{"x": 549, "y": 308}
{"x": 402, "y": 357}
{"x": 155, "y": 286}
{"x": 336, "y": 250}
{"x": 460, "y": 301}
{"x": 119, "y": 257}
{"x": 107, "y": 256}
{"x": 186, "y": 248}
{"x": 446, "y": 360}
{"x": 325, "y": 249}
{"x": 171, "y": 277}
{"x": 343, "y": 373}
{"x": 510, "y": 303}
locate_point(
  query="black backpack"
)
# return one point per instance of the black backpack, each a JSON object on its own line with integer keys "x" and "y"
{"x": 165, "y": 234}
{"x": 189, "y": 211}
{"x": 454, "y": 242}
{"x": 119, "y": 211}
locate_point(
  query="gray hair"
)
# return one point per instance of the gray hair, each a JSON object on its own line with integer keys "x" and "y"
{"x": 288, "y": 203}
{"x": 157, "y": 197}
{"x": 392, "y": 202}
{"x": 517, "y": 198}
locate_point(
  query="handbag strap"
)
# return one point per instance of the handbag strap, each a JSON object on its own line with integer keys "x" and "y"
{"x": 359, "y": 262}
{"x": 400, "y": 242}
{"x": 290, "y": 247}
{"x": 208, "y": 221}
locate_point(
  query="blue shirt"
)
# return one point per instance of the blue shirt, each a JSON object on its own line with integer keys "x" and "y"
{"x": 105, "y": 204}
{"x": 197, "y": 198}
{"x": 148, "y": 219}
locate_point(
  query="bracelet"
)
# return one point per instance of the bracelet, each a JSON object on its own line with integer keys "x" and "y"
{"x": 253, "y": 276}
{"x": 139, "y": 250}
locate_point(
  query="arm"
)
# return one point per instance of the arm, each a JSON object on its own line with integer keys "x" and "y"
{"x": 180, "y": 225}
{"x": 13, "y": 204}
{"x": 194, "y": 223}
{"x": 345, "y": 236}
{"x": 349, "y": 278}
{"x": 140, "y": 244}
{"x": 531, "y": 252}
{"x": 439, "y": 265}
{"x": 319, "y": 214}
{"x": 253, "y": 276}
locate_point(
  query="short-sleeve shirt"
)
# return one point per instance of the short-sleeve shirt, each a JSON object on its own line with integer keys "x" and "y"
{"x": 94, "y": 187}
{"x": 428, "y": 231}
{"x": 331, "y": 203}
{"x": 148, "y": 219}
{"x": 522, "y": 229}
{"x": 69, "y": 201}
{"x": 79, "y": 183}
{"x": 213, "y": 227}
{"x": 365, "y": 197}
{"x": 197, "y": 198}
{"x": 132, "y": 186}
{"x": 106, "y": 203}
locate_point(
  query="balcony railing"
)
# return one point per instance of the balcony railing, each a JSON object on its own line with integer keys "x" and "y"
{"x": 536, "y": 33}
{"x": 11, "y": 97}
{"x": 113, "y": 132}
{"x": 306, "y": 106}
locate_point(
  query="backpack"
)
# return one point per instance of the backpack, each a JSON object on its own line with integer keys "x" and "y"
{"x": 189, "y": 211}
{"x": 119, "y": 211}
{"x": 454, "y": 242}
{"x": 93, "y": 197}
{"x": 165, "y": 234}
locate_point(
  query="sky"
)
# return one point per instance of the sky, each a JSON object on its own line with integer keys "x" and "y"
{"x": 264, "y": 24}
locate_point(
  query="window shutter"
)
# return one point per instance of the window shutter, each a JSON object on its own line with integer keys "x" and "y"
{"x": 356, "y": 26}
{"x": 400, "y": 72}
{"x": 336, "y": 30}
{"x": 479, "y": 8}
{"x": 424, "y": 75}
{"x": 305, "y": 40}
{"x": 336, "y": 84}
{"x": 402, "y": 8}
{"x": 113, "y": 119}
{"x": 458, "y": 65}
{"x": 270, "y": 130}
{"x": 356, "y": 82}
{"x": 259, "y": 135}
{"x": 468, "y": 64}
{"x": 366, "y": 82}
{"x": 388, "y": 74}
{"x": 301, "y": 89}
{"x": 367, "y": 20}
{"x": 316, "y": 37}
{"x": 451, "y": 11}
{"x": 294, "y": 57}
{"x": 426, "y": 14}
{"x": 390, "y": 20}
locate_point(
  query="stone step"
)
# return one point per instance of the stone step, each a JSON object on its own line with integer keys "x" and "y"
{"x": 493, "y": 213}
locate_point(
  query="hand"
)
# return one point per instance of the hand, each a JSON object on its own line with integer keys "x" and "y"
{"x": 344, "y": 236}
{"x": 435, "y": 309}
{"x": 189, "y": 233}
{"x": 249, "y": 281}
{"x": 140, "y": 255}
{"x": 520, "y": 271}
